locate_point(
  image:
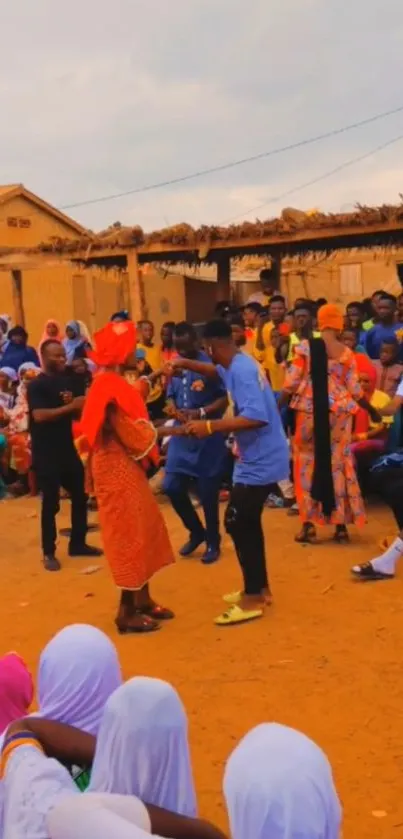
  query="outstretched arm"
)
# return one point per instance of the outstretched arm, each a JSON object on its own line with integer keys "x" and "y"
{"x": 201, "y": 367}
{"x": 63, "y": 742}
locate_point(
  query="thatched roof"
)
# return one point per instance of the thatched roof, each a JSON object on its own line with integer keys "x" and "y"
{"x": 293, "y": 232}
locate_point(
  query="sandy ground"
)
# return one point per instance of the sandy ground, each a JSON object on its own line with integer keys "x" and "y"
{"x": 327, "y": 659}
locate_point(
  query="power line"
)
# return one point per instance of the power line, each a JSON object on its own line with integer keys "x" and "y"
{"x": 231, "y": 165}
{"x": 313, "y": 181}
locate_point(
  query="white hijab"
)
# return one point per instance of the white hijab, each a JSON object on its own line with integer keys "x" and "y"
{"x": 278, "y": 784}
{"x": 78, "y": 671}
{"x": 142, "y": 747}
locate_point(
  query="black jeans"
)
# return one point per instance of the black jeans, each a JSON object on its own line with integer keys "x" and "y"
{"x": 389, "y": 484}
{"x": 176, "y": 487}
{"x": 71, "y": 478}
{"x": 243, "y": 522}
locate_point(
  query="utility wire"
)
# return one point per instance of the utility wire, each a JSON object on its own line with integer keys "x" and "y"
{"x": 231, "y": 165}
{"x": 313, "y": 181}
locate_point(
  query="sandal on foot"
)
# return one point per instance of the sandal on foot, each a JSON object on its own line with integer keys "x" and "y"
{"x": 307, "y": 535}
{"x": 158, "y": 613}
{"x": 236, "y": 615}
{"x": 145, "y": 624}
{"x": 368, "y": 574}
{"x": 341, "y": 536}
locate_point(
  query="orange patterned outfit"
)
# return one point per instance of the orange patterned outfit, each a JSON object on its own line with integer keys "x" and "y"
{"x": 133, "y": 530}
{"x": 344, "y": 389}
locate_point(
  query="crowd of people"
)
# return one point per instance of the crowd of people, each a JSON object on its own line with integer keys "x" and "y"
{"x": 264, "y": 405}
{"x": 104, "y": 758}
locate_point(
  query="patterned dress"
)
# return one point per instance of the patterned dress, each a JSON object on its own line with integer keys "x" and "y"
{"x": 344, "y": 389}
{"x": 19, "y": 438}
{"x": 134, "y": 533}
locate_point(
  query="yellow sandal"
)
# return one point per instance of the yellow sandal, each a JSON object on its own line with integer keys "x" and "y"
{"x": 235, "y": 615}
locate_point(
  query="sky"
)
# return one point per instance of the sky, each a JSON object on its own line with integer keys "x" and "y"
{"x": 98, "y": 98}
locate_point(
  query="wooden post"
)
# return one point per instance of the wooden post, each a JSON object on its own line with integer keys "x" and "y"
{"x": 90, "y": 298}
{"x": 136, "y": 287}
{"x": 276, "y": 269}
{"x": 19, "y": 316}
{"x": 223, "y": 278}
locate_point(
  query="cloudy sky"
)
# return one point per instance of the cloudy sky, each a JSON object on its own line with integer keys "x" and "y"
{"x": 98, "y": 98}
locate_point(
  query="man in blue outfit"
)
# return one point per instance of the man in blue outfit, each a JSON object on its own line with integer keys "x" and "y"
{"x": 385, "y": 328}
{"x": 193, "y": 396}
{"x": 262, "y": 459}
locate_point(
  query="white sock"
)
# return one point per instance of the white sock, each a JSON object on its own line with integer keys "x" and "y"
{"x": 386, "y": 563}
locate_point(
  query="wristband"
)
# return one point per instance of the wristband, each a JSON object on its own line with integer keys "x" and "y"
{"x": 209, "y": 428}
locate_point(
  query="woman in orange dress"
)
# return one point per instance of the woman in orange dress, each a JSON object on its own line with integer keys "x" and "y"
{"x": 120, "y": 445}
{"x": 323, "y": 382}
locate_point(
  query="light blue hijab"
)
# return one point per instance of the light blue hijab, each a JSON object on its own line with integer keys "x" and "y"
{"x": 278, "y": 784}
{"x": 71, "y": 344}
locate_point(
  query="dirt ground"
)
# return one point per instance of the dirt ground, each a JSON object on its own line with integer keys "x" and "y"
{"x": 327, "y": 659}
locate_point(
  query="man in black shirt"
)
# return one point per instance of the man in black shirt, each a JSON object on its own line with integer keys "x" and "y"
{"x": 53, "y": 399}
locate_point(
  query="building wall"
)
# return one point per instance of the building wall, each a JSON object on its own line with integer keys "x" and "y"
{"x": 41, "y": 225}
{"x": 343, "y": 276}
{"x": 60, "y": 290}
{"x": 164, "y": 296}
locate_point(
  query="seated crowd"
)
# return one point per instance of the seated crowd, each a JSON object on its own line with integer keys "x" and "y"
{"x": 104, "y": 758}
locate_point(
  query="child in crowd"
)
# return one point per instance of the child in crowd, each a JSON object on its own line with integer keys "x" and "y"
{"x": 8, "y": 380}
{"x": 154, "y": 358}
{"x": 369, "y": 438}
{"x": 388, "y": 368}
{"x": 251, "y": 317}
{"x": 350, "y": 337}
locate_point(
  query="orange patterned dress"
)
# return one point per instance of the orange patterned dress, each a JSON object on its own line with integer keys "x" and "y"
{"x": 344, "y": 389}
{"x": 134, "y": 533}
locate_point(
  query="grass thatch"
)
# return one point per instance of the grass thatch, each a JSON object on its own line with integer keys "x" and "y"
{"x": 210, "y": 237}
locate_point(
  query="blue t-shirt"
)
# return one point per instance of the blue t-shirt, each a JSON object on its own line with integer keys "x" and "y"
{"x": 187, "y": 455}
{"x": 263, "y": 452}
{"x": 377, "y": 335}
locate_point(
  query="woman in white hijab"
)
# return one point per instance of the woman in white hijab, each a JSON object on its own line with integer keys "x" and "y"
{"x": 78, "y": 671}
{"x": 278, "y": 784}
{"x": 142, "y": 747}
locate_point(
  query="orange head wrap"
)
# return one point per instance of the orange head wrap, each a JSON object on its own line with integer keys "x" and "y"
{"x": 365, "y": 366}
{"x": 330, "y": 317}
{"x": 113, "y": 345}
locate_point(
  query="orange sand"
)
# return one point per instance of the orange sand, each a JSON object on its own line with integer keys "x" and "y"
{"x": 327, "y": 659}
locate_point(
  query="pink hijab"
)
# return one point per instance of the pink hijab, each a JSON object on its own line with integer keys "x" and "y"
{"x": 16, "y": 689}
{"x": 45, "y": 335}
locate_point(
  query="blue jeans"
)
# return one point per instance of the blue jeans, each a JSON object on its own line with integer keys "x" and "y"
{"x": 176, "y": 486}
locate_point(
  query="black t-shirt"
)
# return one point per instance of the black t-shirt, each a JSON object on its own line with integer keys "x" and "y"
{"x": 52, "y": 442}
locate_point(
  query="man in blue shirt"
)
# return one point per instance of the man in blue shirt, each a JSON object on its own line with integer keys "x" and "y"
{"x": 262, "y": 460}
{"x": 193, "y": 396}
{"x": 385, "y": 328}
